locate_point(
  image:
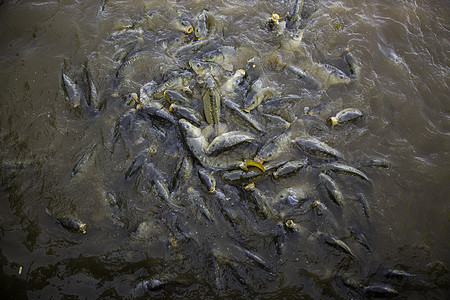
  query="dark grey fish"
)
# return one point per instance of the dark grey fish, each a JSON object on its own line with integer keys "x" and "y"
{"x": 241, "y": 116}
{"x": 353, "y": 63}
{"x": 345, "y": 169}
{"x": 395, "y": 273}
{"x": 69, "y": 223}
{"x": 315, "y": 147}
{"x": 273, "y": 148}
{"x": 139, "y": 160}
{"x": 176, "y": 97}
{"x": 183, "y": 172}
{"x": 94, "y": 100}
{"x": 309, "y": 80}
{"x": 332, "y": 188}
{"x": 259, "y": 199}
{"x": 156, "y": 110}
{"x": 237, "y": 177}
{"x": 290, "y": 168}
{"x": 71, "y": 90}
{"x": 207, "y": 179}
{"x": 380, "y": 290}
{"x": 295, "y": 15}
{"x": 365, "y": 205}
{"x": 197, "y": 200}
{"x": 187, "y": 113}
{"x": 337, "y": 243}
{"x": 280, "y": 102}
{"x": 83, "y": 160}
{"x": 123, "y": 125}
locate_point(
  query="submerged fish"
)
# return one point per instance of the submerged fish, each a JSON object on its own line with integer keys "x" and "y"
{"x": 93, "y": 98}
{"x": 295, "y": 15}
{"x": 315, "y": 147}
{"x": 345, "y": 169}
{"x": 242, "y": 117}
{"x": 71, "y": 90}
{"x": 353, "y": 63}
{"x": 83, "y": 160}
{"x": 332, "y": 188}
{"x": 273, "y": 148}
{"x": 290, "y": 168}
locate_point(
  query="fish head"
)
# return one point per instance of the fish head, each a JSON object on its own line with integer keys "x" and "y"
{"x": 189, "y": 130}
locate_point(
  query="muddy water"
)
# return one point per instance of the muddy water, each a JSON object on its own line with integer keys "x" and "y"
{"x": 189, "y": 247}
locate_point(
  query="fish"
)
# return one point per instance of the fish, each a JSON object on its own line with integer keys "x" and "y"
{"x": 337, "y": 243}
{"x": 346, "y": 169}
{"x": 310, "y": 80}
{"x": 233, "y": 82}
{"x": 332, "y": 188}
{"x": 281, "y": 101}
{"x": 222, "y": 56}
{"x": 197, "y": 200}
{"x": 259, "y": 199}
{"x": 201, "y": 68}
{"x": 83, "y": 160}
{"x": 256, "y": 95}
{"x": 317, "y": 148}
{"x": 352, "y": 62}
{"x": 273, "y": 148}
{"x": 380, "y": 290}
{"x": 176, "y": 97}
{"x": 182, "y": 173}
{"x": 201, "y": 29}
{"x": 183, "y": 25}
{"x": 134, "y": 59}
{"x": 156, "y": 110}
{"x": 211, "y": 101}
{"x": 252, "y": 71}
{"x": 207, "y": 179}
{"x": 345, "y": 116}
{"x": 93, "y": 98}
{"x": 178, "y": 81}
{"x": 71, "y": 91}
{"x": 320, "y": 208}
{"x": 187, "y": 113}
{"x": 197, "y": 143}
{"x": 295, "y": 14}
{"x": 238, "y": 177}
{"x": 241, "y": 116}
{"x": 275, "y": 25}
{"x": 69, "y": 223}
{"x": 251, "y": 163}
{"x": 328, "y": 74}
{"x": 189, "y": 49}
{"x": 139, "y": 160}
{"x": 227, "y": 141}
{"x": 374, "y": 162}
{"x": 289, "y": 168}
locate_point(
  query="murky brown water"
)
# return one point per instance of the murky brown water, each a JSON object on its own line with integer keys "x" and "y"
{"x": 402, "y": 89}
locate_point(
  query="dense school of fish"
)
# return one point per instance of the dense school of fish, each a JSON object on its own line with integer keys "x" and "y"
{"x": 231, "y": 130}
